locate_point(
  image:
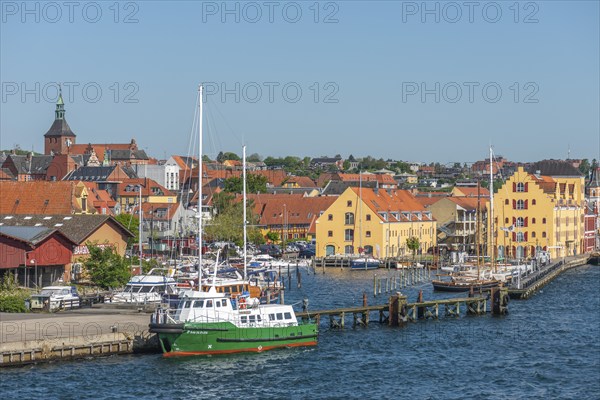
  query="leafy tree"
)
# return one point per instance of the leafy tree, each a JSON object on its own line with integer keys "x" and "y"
{"x": 254, "y": 184}
{"x": 131, "y": 222}
{"x": 413, "y": 244}
{"x": 584, "y": 167}
{"x": 222, "y": 201}
{"x": 221, "y": 157}
{"x": 228, "y": 225}
{"x": 231, "y": 156}
{"x": 206, "y": 159}
{"x": 106, "y": 268}
{"x": 272, "y": 236}
{"x": 346, "y": 165}
{"x": 254, "y": 157}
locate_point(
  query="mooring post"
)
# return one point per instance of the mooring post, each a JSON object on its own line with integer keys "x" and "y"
{"x": 299, "y": 277}
{"x": 289, "y": 277}
{"x": 364, "y": 299}
{"x": 282, "y": 296}
{"x": 375, "y": 285}
{"x": 402, "y": 308}
{"x": 420, "y": 310}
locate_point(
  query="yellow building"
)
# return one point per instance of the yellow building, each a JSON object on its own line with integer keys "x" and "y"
{"x": 375, "y": 222}
{"x": 542, "y": 210}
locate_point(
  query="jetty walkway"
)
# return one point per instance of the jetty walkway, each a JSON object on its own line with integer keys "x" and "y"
{"x": 29, "y": 338}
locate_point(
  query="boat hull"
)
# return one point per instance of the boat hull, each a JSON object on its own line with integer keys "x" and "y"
{"x": 192, "y": 339}
{"x": 361, "y": 265}
{"x": 448, "y": 286}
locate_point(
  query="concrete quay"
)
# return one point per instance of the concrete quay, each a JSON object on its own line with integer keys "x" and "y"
{"x": 32, "y": 338}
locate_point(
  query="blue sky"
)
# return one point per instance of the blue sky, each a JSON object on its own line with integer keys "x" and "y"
{"x": 379, "y": 78}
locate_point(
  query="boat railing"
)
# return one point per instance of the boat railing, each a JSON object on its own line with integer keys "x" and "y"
{"x": 163, "y": 316}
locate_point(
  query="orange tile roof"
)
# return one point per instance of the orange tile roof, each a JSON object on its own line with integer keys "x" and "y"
{"x": 472, "y": 191}
{"x": 274, "y": 177}
{"x": 299, "y": 210}
{"x": 395, "y": 201}
{"x": 38, "y": 197}
{"x": 427, "y": 201}
{"x": 149, "y": 211}
{"x": 469, "y": 203}
{"x": 301, "y": 181}
{"x": 381, "y": 178}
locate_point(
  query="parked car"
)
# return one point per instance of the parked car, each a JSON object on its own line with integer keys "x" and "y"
{"x": 307, "y": 252}
{"x": 54, "y": 298}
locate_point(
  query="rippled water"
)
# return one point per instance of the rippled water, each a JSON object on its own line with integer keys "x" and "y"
{"x": 548, "y": 347}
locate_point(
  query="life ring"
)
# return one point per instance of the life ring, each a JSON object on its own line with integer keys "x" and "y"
{"x": 242, "y": 303}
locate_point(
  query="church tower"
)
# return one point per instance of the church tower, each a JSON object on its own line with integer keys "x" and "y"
{"x": 59, "y": 137}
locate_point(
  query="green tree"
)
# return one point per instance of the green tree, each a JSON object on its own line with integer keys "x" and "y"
{"x": 221, "y": 157}
{"x": 231, "y": 156}
{"x": 131, "y": 222}
{"x": 106, "y": 268}
{"x": 254, "y": 157}
{"x": 206, "y": 159}
{"x": 228, "y": 225}
{"x": 413, "y": 245}
{"x": 584, "y": 167}
{"x": 272, "y": 236}
{"x": 254, "y": 184}
{"x": 222, "y": 201}
{"x": 346, "y": 165}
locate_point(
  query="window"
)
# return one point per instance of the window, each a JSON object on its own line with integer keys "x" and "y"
{"x": 533, "y": 220}
{"x": 533, "y": 234}
{"x": 506, "y": 201}
{"x": 349, "y": 218}
{"x": 368, "y": 217}
{"x": 520, "y": 187}
{"x": 349, "y": 203}
{"x": 252, "y": 318}
{"x": 279, "y": 316}
{"x": 288, "y": 315}
{"x": 533, "y": 202}
{"x": 520, "y": 205}
{"x": 543, "y": 221}
{"x": 543, "y": 234}
{"x": 271, "y": 317}
{"x": 330, "y": 217}
{"x": 188, "y": 304}
{"x": 209, "y": 304}
{"x": 368, "y": 233}
{"x": 506, "y": 220}
{"x": 244, "y": 319}
{"x": 349, "y": 249}
{"x": 198, "y": 303}
{"x": 349, "y": 234}
{"x": 520, "y": 222}
{"x": 520, "y": 237}
{"x": 224, "y": 302}
{"x": 329, "y": 233}
{"x": 258, "y": 318}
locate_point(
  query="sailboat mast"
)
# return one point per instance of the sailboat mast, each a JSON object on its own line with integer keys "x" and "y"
{"x": 360, "y": 210}
{"x": 244, "y": 199}
{"x": 492, "y": 228}
{"x": 200, "y": 187}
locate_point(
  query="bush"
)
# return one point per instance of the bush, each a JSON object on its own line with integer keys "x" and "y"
{"x": 13, "y": 301}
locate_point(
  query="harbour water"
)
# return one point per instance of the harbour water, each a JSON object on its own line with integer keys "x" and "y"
{"x": 548, "y": 347}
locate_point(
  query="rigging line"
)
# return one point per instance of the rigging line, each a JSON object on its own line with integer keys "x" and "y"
{"x": 229, "y": 126}
{"x": 211, "y": 127}
{"x": 191, "y": 146}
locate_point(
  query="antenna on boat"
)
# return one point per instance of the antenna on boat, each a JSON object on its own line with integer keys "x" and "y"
{"x": 244, "y": 200}
{"x": 200, "y": 188}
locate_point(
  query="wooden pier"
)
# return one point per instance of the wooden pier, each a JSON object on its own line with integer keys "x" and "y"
{"x": 529, "y": 285}
{"x": 398, "y": 311}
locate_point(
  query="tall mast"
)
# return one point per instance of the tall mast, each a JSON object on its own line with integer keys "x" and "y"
{"x": 244, "y": 199}
{"x": 200, "y": 188}
{"x": 360, "y": 210}
{"x": 492, "y": 229}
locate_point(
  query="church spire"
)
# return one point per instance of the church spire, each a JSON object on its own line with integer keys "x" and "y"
{"x": 60, "y": 105}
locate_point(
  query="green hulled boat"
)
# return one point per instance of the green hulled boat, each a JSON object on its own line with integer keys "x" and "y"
{"x": 208, "y": 323}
